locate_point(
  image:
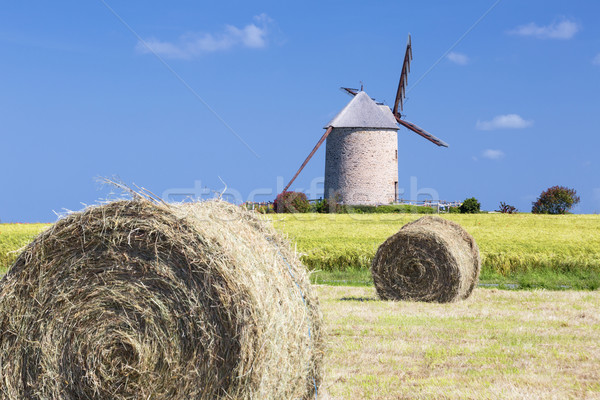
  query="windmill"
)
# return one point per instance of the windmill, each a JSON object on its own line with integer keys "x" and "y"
{"x": 361, "y": 162}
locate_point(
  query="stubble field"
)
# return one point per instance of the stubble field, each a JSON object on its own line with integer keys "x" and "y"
{"x": 497, "y": 344}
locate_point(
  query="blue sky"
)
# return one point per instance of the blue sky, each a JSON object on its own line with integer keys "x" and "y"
{"x": 238, "y": 92}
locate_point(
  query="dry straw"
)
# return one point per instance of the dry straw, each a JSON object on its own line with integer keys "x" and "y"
{"x": 143, "y": 300}
{"x": 430, "y": 259}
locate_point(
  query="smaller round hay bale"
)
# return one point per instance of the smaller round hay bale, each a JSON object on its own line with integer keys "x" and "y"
{"x": 430, "y": 259}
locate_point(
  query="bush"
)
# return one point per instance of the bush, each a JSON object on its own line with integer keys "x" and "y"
{"x": 391, "y": 209}
{"x": 408, "y": 209}
{"x": 291, "y": 202}
{"x": 359, "y": 209}
{"x": 470, "y": 206}
{"x": 334, "y": 205}
{"x": 320, "y": 206}
{"x": 507, "y": 208}
{"x": 263, "y": 209}
{"x": 555, "y": 200}
{"x": 387, "y": 209}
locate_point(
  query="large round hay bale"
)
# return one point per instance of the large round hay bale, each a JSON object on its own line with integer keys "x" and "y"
{"x": 139, "y": 300}
{"x": 430, "y": 259}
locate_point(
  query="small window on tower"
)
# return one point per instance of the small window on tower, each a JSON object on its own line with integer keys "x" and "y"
{"x": 396, "y": 154}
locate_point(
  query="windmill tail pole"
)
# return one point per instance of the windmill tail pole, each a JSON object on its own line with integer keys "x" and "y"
{"x": 312, "y": 153}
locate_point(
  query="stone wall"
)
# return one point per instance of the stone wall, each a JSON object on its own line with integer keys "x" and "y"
{"x": 361, "y": 166}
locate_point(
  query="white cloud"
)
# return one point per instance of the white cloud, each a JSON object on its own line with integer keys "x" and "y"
{"x": 508, "y": 121}
{"x": 458, "y": 58}
{"x": 493, "y": 154}
{"x": 596, "y": 60}
{"x": 564, "y": 29}
{"x": 192, "y": 45}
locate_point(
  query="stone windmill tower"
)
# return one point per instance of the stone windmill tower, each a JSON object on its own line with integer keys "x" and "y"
{"x": 361, "y": 161}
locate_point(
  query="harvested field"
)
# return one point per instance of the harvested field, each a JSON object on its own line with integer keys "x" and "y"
{"x": 495, "y": 345}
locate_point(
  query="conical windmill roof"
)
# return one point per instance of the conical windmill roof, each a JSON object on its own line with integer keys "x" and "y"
{"x": 363, "y": 112}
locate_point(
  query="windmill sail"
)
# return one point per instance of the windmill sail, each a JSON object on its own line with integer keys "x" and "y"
{"x": 422, "y": 132}
{"x": 350, "y": 91}
{"x": 401, "y": 93}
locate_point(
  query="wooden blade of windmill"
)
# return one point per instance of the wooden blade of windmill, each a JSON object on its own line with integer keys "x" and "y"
{"x": 350, "y": 91}
{"x": 312, "y": 153}
{"x": 422, "y": 132}
{"x": 401, "y": 93}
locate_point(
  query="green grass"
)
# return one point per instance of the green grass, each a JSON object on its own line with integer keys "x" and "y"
{"x": 535, "y": 279}
{"x": 12, "y": 238}
{"x": 518, "y": 251}
{"x": 531, "y": 251}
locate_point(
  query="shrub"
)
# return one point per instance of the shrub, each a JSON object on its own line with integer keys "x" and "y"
{"x": 321, "y": 206}
{"x": 412, "y": 209}
{"x": 470, "y": 206}
{"x": 360, "y": 209}
{"x": 391, "y": 209}
{"x": 291, "y": 202}
{"x": 387, "y": 209}
{"x": 335, "y": 206}
{"x": 263, "y": 209}
{"x": 555, "y": 200}
{"x": 507, "y": 208}
{"x": 425, "y": 210}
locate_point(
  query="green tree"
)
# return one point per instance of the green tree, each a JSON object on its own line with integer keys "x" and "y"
{"x": 470, "y": 206}
{"x": 555, "y": 200}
